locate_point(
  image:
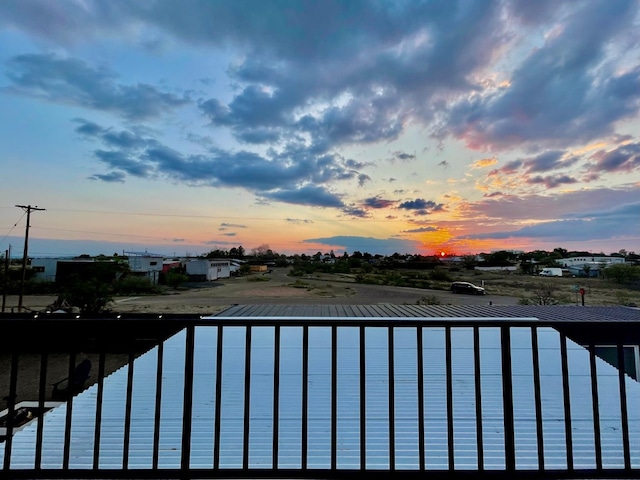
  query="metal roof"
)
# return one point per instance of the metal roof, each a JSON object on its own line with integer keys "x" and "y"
{"x": 555, "y": 313}
{"x": 377, "y": 403}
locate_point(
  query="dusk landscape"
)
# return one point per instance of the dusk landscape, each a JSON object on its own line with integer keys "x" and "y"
{"x": 430, "y": 127}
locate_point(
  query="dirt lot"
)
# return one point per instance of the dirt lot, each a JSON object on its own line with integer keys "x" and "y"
{"x": 278, "y": 288}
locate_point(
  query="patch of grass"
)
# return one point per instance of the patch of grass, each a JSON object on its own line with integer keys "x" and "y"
{"x": 300, "y": 284}
{"x": 429, "y": 300}
{"x": 259, "y": 279}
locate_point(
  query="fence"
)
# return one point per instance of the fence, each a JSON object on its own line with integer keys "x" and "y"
{"x": 230, "y": 397}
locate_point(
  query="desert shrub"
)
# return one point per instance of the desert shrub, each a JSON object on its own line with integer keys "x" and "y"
{"x": 441, "y": 275}
{"x": 429, "y": 300}
{"x": 134, "y": 285}
{"x": 300, "y": 284}
{"x": 89, "y": 296}
{"x": 174, "y": 279}
{"x": 621, "y": 273}
{"x": 393, "y": 278}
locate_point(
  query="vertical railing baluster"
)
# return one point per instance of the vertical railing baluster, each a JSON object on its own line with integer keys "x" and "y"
{"x": 276, "y": 397}
{"x": 420, "y": 365}
{"x": 99, "y": 398}
{"x": 127, "y": 413}
{"x": 305, "y": 397}
{"x": 334, "y": 396}
{"x": 478, "y": 393}
{"x": 67, "y": 427}
{"x": 507, "y": 399}
{"x": 158, "y": 408}
{"x": 449, "y": 380}
{"x": 392, "y": 408}
{"x": 218, "y": 407}
{"x": 41, "y": 399}
{"x": 624, "y": 418}
{"x": 247, "y": 397}
{"x": 537, "y": 395}
{"x": 567, "y": 401}
{"x": 363, "y": 414}
{"x": 187, "y": 412}
{"x": 597, "y": 438}
{"x": 13, "y": 386}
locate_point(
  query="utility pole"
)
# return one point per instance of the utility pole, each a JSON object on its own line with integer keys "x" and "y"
{"x": 6, "y": 276}
{"x": 28, "y": 209}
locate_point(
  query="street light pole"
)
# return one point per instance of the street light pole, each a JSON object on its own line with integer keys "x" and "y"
{"x": 25, "y": 256}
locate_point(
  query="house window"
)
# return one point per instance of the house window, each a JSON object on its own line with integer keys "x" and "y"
{"x": 38, "y": 269}
{"x": 153, "y": 263}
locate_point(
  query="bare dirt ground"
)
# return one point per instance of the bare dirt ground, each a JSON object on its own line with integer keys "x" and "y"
{"x": 276, "y": 288}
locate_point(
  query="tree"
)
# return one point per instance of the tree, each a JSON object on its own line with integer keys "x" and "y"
{"x": 621, "y": 273}
{"x": 542, "y": 293}
{"x": 562, "y": 252}
{"x": 175, "y": 278}
{"x": 260, "y": 251}
{"x": 90, "y": 296}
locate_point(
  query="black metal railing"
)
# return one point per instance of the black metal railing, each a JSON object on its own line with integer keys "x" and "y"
{"x": 476, "y": 354}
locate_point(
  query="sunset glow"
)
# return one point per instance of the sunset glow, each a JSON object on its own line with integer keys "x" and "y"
{"x": 438, "y": 128}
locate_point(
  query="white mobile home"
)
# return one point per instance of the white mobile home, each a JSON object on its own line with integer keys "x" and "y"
{"x": 204, "y": 269}
{"x": 145, "y": 264}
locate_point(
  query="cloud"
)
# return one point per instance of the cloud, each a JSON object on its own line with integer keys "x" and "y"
{"x": 311, "y": 195}
{"x": 483, "y": 163}
{"x": 421, "y": 230}
{"x": 552, "y": 182}
{"x": 293, "y": 175}
{"x": 614, "y": 223}
{"x": 377, "y": 202}
{"x": 297, "y": 221}
{"x": 74, "y": 82}
{"x": 232, "y": 225}
{"x": 540, "y": 208}
{"x": 355, "y": 211}
{"x": 421, "y": 206}
{"x": 383, "y": 246}
{"x": 113, "y": 177}
{"x": 563, "y": 92}
{"x": 402, "y": 156}
{"x": 625, "y": 158}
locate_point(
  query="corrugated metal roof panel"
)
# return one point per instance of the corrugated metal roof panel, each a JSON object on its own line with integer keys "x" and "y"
{"x": 561, "y": 313}
{"x": 348, "y": 403}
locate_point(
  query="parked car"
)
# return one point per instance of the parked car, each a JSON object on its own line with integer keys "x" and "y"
{"x": 466, "y": 287}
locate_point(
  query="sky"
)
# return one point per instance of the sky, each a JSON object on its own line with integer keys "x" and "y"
{"x": 455, "y": 126}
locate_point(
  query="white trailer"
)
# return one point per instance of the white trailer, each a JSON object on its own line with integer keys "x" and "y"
{"x": 551, "y": 272}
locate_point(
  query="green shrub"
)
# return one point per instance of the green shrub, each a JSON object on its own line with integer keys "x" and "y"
{"x": 89, "y": 296}
{"x": 440, "y": 275}
{"x": 134, "y": 285}
{"x": 174, "y": 279}
{"x": 429, "y": 300}
{"x": 300, "y": 284}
